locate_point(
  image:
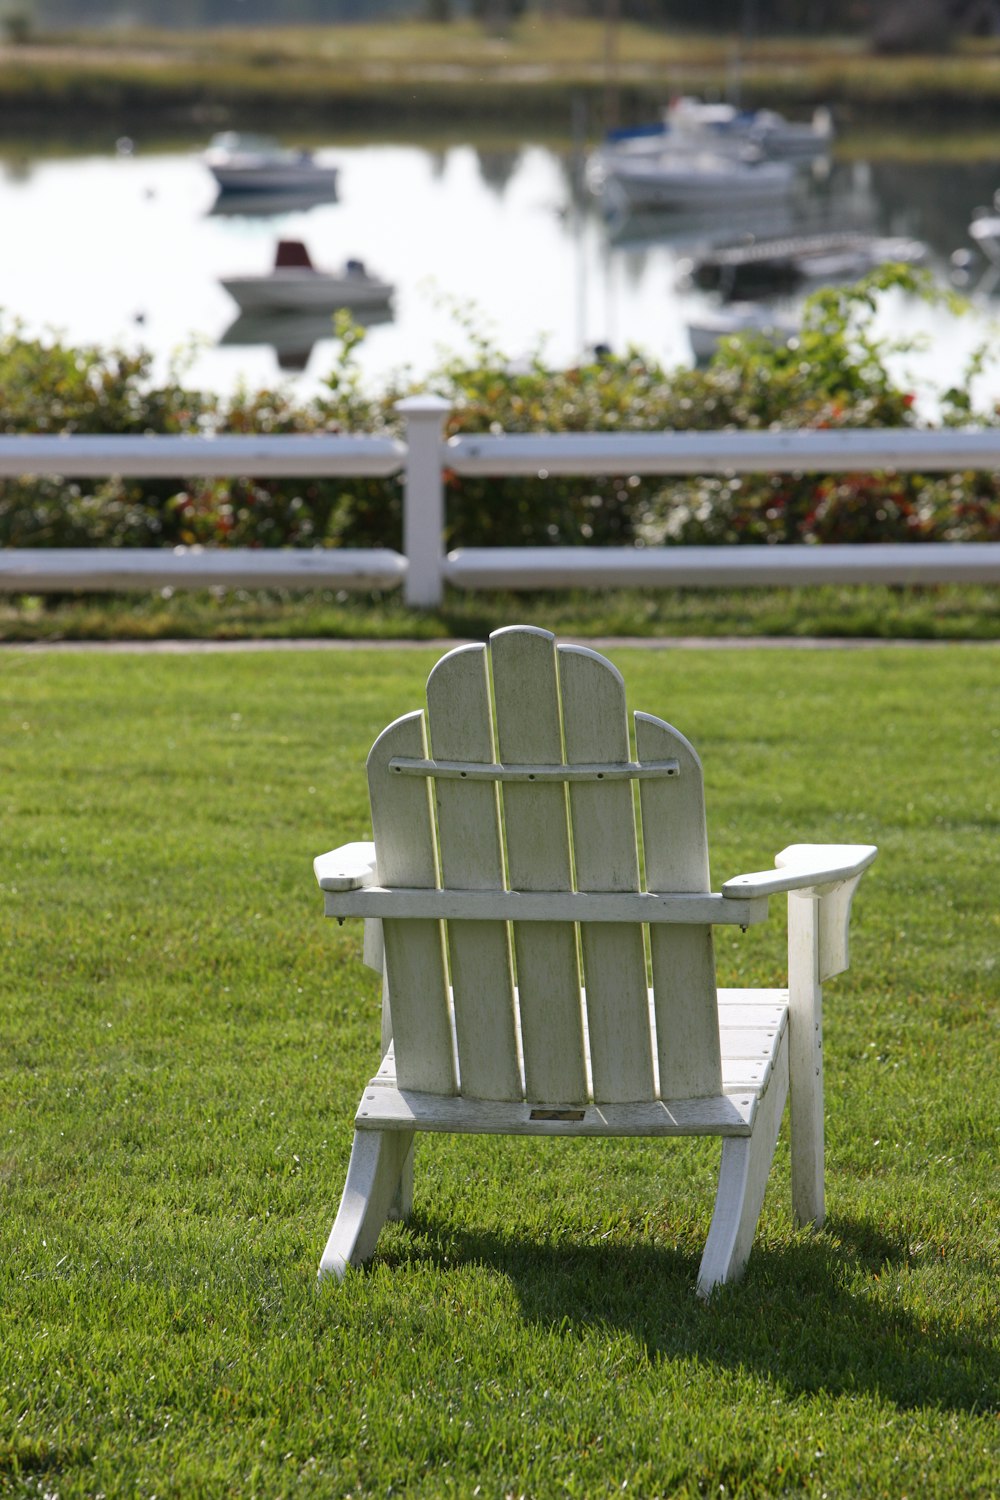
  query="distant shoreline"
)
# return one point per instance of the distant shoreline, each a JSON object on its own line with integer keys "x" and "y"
{"x": 352, "y": 79}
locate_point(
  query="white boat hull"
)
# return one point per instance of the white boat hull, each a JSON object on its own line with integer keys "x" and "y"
{"x": 279, "y": 178}
{"x": 688, "y": 182}
{"x": 707, "y": 331}
{"x": 242, "y": 163}
{"x": 985, "y": 230}
{"x": 302, "y": 289}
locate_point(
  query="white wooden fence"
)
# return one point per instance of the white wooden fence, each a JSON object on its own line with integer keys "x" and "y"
{"x": 423, "y": 568}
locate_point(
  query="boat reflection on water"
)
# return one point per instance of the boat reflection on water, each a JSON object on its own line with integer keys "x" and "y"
{"x": 270, "y": 205}
{"x": 292, "y": 334}
{"x": 842, "y": 200}
{"x": 764, "y": 268}
{"x": 647, "y": 229}
{"x": 707, "y": 329}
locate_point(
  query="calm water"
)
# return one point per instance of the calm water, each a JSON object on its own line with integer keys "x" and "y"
{"x": 131, "y": 248}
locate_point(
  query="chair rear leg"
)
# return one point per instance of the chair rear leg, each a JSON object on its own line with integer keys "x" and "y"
{"x": 743, "y": 1174}
{"x": 374, "y": 1178}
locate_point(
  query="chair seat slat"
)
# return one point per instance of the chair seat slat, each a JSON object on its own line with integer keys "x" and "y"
{"x": 748, "y": 1049}
{"x": 730, "y": 1112}
{"x": 389, "y": 1108}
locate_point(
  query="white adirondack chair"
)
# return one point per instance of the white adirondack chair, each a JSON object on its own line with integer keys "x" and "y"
{"x": 505, "y": 897}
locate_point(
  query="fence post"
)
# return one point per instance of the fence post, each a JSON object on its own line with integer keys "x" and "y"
{"x": 423, "y": 498}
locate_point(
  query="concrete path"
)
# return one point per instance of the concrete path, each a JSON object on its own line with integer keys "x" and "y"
{"x": 639, "y": 643}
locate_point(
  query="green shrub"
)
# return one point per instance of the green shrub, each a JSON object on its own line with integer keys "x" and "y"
{"x": 54, "y": 387}
{"x": 835, "y": 374}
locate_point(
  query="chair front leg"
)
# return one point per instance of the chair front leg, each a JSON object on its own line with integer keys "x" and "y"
{"x": 743, "y": 1174}
{"x": 805, "y": 1036}
{"x": 373, "y": 1180}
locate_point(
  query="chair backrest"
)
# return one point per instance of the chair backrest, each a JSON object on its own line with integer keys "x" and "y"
{"x": 555, "y": 1012}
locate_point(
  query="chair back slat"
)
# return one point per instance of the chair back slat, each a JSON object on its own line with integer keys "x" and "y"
{"x": 675, "y": 851}
{"x": 403, "y": 829}
{"x": 595, "y": 726}
{"x": 538, "y": 859}
{"x": 460, "y": 720}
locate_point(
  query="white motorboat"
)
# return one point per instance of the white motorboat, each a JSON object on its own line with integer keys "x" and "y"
{"x": 764, "y": 129}
{"x": 691, "y": 125}
{"x": 243, "y": 163}
{"x": 296, "y": 284}
{"x": 684, "y": 180}
{"x": 712, "y": 326}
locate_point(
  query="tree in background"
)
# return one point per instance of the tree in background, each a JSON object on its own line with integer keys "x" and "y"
{"x": 750, "y": 17}
{"x": 17, "y": 21}
{"x": 894, "y": 25}
{"x": 932, "y": 25}
{"x": 497, "y": 16}
{"x": 913, "y": 26}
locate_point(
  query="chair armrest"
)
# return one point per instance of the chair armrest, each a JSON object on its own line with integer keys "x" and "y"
{"x": 348, "y": 868}
{"x": 805, "y": 867}
{"x": 351, "y": 868}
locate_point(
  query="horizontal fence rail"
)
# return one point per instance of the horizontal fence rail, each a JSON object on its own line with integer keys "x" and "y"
{"x": 816, "y": 451}
{"x": 48, "y": 570}
{"x": 526, "y": 568}
{"x": 289, "y": 455}
{"x": 423, "y": 569}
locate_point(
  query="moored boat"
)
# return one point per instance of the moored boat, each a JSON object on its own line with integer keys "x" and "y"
{"x": 693, "y": 125}
{"x": 985, "y": 229}
{"x": 683, "y": 180}
{"x": 763, "y": 266}
{"x": 243, "y": 163}
{"x": 707, "y": 330}
{"x": 763, "y": 129}
{"x": 295, "y": 283}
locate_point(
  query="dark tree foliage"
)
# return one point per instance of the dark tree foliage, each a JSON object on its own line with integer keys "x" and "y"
{"x": 194, "y": 13}
{"x": 751, "y": 15}
{"x": 899, "y": 24}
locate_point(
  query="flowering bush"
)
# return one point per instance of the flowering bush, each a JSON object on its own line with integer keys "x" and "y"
{"x": 834, "y": 374}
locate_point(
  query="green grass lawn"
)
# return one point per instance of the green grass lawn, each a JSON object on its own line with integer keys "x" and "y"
{"x": 186, "y": 1039}
{"x": 942, "y": 612}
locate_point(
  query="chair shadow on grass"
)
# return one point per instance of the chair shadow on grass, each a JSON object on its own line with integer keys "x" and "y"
{"x": 792, "y": 1318}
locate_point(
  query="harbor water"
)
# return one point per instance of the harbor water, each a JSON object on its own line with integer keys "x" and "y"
{"x": 128, "y": 246}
